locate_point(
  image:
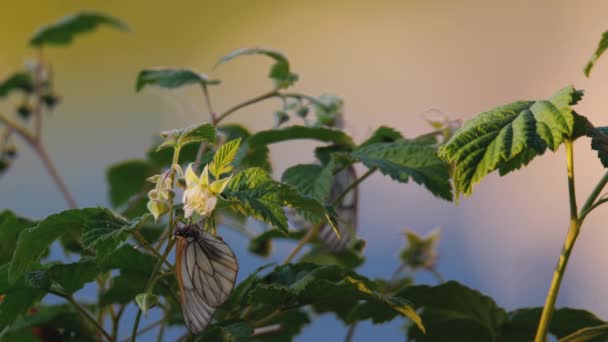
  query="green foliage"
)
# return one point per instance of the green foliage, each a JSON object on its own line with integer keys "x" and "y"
{"x": 280, "y": 71}
{"x": 263, "y": 198}
{"x": 402, "y": 160}
{"x": 127, "y": 179}
{"x": 601, "y": 47}
{"x": 172, "y": 78}
{"x": 229, "y": 332}
{"x": 10, "y": 227}
{"x": 310, "y": 179}
{"x": 300, "y": 132}
{"x": 223, "y": 158}
{"x": 18, "y": 297}
{"x": 179, "y": 138}
{"x": 65, "y": 30}
{"x": 247, "y": 156}
{"x": 382, "y": 134}
{"x": 509, "y": 137}
{"x": 20, "y": 81}
{"x": 145, "y": 301}
{"x": 599, "y": 142}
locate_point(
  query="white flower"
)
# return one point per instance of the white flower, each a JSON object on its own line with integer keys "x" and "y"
{"x": 200, "y": 196}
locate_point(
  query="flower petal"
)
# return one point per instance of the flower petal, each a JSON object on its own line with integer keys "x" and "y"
{"x": 191, "y": 178}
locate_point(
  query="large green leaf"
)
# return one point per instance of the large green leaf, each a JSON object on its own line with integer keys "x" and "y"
{"x": 64, "y": 31}
{"x": 171, "y": 78}
{"x": 280, "y": 71}
{"x": 310, "y": 179}
{"x": 10, "y": 227}
{"x": 256, "y": 156}
{"x": 599, "y": 142}
{"x": 223, "y": 158}
{"x": 405, "y": 159}
{"x": 382, "y": 134}
{"x": 127, "y": 179}
{"x": 226, "y": 332}
{"x": 95, "y": 223}
{"x": 509, "y": 137}
{"x": 453, "y": 312}
{"x": 263, "y": 198}
{"x": 601, "y": 47}
{"x": 18, "y": 81}
{"x": 69, "y": 277}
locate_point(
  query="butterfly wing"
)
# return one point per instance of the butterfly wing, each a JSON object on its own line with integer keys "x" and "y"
{"x": 207, "y": 270}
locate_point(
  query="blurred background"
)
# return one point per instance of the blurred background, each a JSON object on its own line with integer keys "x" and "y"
{"x": 391, "y": 61}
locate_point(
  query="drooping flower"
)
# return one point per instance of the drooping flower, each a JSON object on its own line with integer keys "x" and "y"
{"x": 200, "y": 195}
{"x": 162, "y": 195}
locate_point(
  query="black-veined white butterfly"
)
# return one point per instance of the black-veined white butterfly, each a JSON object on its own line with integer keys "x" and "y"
{"x": 206, "y": 270}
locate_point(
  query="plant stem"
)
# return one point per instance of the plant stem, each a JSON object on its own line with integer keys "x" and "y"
{"x": 311, "y": 234}
{"x": 351, "y": 332}
{"x": 353, "y": 185}
{"x": 589, "y": 203}
{"x": 149, "y": 247}
{"x": 83, "y": 312}
{"x": 573, "y": 231}
{"x": 116, "y": 322}
{"x": 241, "y": 105}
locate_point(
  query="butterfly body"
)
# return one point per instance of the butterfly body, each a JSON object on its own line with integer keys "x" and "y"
{"x": 206, "y": 270}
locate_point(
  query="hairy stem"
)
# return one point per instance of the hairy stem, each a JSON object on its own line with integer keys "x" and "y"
{"x": 589, "y": 203}
{"x": 573, "y": 231}
{"x": 244, "y": 104}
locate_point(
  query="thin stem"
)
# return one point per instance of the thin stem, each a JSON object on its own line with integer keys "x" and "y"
{"x": 209, "y": 106}
{"x": 589, "y": 203}
{"x": 351, "y": 332}
{"x": 437, "y": 275}
{"x": 309, "y": 235}
{"x": 52, "y": 170}
{"x": 241, "y": 105}
{"x": 16, "y": 128}
{"x": 116, "y": 322}
{"x": 148, "y": 328}
{"x": 573, "y": 231}
{"x": 353, "y": 185}
{"x": 83, "y": 312}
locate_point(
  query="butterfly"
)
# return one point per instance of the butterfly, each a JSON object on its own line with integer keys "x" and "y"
{"x": 206, "y": 270}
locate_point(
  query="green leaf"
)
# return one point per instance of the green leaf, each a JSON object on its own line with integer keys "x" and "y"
{"x": 310, "y": 179}
{"x": 291, "y": 324}
{"x": 300, "y": 132}
{"x": 597, "y": 333}
{"x": 382, "y": 134}
{"x": 179, "y": 138}
{"x": 18, "y": 81}
{"x": 509, "y": 137}
{"x": 262, "y": 244}
{"x": 105, "y": 232}
{"x": 124, "y": 288}
{"x": 599, "y": 142}
{"x": 453, "y": 312}
{"x": 602, "y": 46}
{"x": 127, "y": 179}
{"x": 263, "y": 198}
{"x": 257, "y": 156}
{"x": 328, "y": 109}
{"x": 72, "y": 277}
{"x": 223, "y": 158}
{"x": 172, "y": 78}
{"x": 146, "y": 301}
{"x": 66, "y": 29}
{"x": 95, "y": 222}
{"x": 10, "y": 227}
{"x": 402, "y": 160}
{"x": 18, "y": 297}
{"x": 280, "y": 71}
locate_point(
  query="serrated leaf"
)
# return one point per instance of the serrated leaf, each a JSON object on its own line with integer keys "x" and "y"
{"x": 226, "y": 332}
{"x": 509, "y": 137}
{"x": 382, "y": 134}
{"x": 599, "y": 142}
{"x": 124, "y": 288}
{"x": 257, "y": 156}
{"x": 453, "y": 312}
{"x": 223, "y": 158}
{"x": 127, "y": 179}
{"x": 300, "y": 132}
{"x": 72, "y": 277}
{"x": 310, "y": 179}
{"x": 179, "y": 138}
{"x": 280, "y": 71}
{"x": 18, "y": 81}
{"x": 11, "y": 226}
{"x": 172, "y": 78}
{"x": 263, "y": 198}
{"x": 405, "y": 159}
{"x": 146, "y": 301}
{"x": 291, "y": 323}
{"x": 65, "y": 30}
{"x": 601, "y": 47}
